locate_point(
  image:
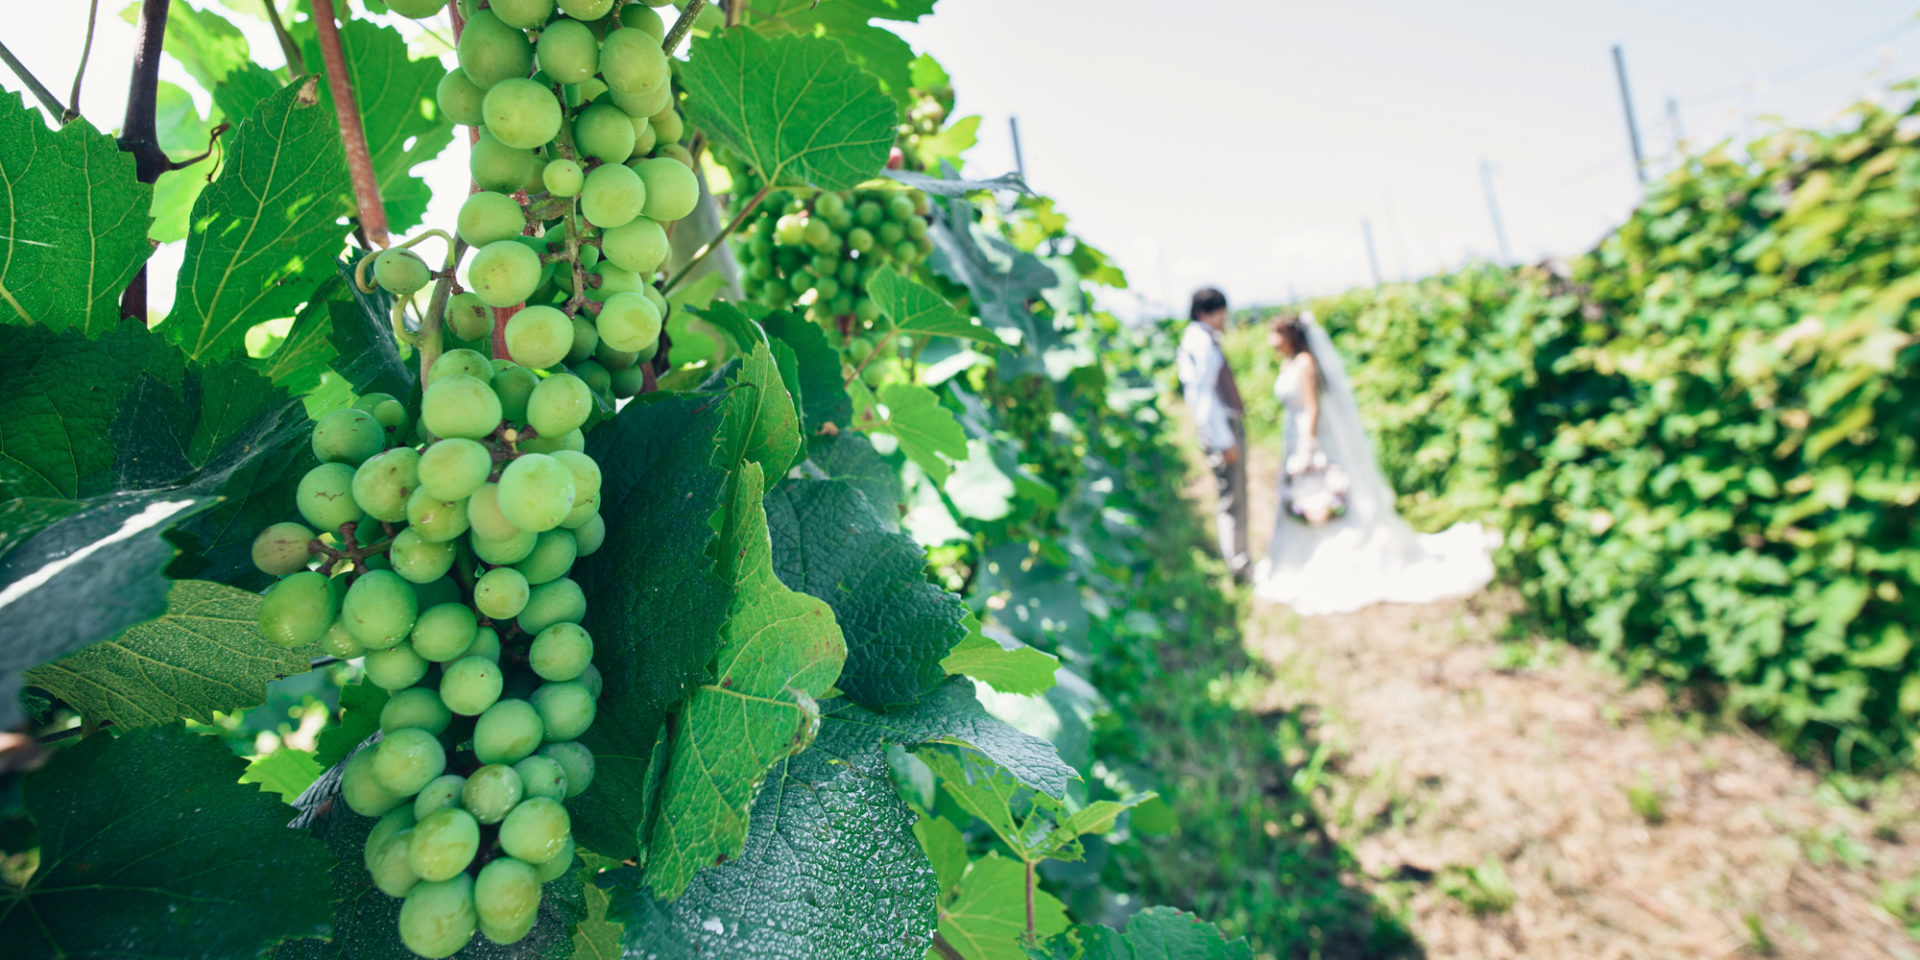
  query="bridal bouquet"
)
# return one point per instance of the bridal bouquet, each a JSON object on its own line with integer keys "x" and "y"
{"x": 1316, "y": 489}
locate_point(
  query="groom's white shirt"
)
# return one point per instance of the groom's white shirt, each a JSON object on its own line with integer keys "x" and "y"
{"x": 1200, "y": 362}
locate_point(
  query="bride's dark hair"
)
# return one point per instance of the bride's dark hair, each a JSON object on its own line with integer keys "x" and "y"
{"x": 1287, "y": 327}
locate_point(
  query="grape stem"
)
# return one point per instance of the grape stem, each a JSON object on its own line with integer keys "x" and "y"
{"x": 139, "y": 134}
{"x": 713, "y": 244}
{"x": 946, "y": 949}
{"x": 876, "y": 352}
{"x": 366, "y": 188}
{"x": 671, "y": 42}
{"x": 433, "y": 325}
{"x": 40, "y": 91}
{"x": 296, "y": 64}
{"x": 86, "y": 51}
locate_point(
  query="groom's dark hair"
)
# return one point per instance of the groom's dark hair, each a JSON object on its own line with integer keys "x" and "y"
{"x": 1206, "y": 300}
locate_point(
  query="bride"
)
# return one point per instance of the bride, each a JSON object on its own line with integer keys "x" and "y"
{"x": 1338, "y": 545}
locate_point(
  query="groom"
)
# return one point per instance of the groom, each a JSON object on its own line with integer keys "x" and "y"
{"x": 1214, "y": 399}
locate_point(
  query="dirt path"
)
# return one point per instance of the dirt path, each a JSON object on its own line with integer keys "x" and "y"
{"x": 1518, "y": 800}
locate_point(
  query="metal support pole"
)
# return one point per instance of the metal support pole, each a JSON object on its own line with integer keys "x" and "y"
{"x": 1493, "y": 210}
{"x": 1626, "y": 102}
{"x": 1019, "y": 161}
{"x": 1373, "y": 258}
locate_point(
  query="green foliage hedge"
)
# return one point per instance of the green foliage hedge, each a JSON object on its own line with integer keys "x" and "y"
{"x": 1699, "y": 439}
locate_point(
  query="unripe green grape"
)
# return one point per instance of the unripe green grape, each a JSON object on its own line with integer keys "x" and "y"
{"x": 407, "y": 759}
{"x": 417, "y": 9}
{"x": 592, "y": 87}
{"x": 614, "y": 360}
{"x": 361, "y": 791}
{"x": 916, "y": 228}
{"x": 501, "y": 593}
{"x": 586, "y": 9}
{"x": 337, "y": 642}
{"x": 459, "y": 98}
{"x": 536, "y": 492}
{"x": 900, "y": 208}
{"x": 386, "y": 409}
{"x": 443, "y": 843}
{"x": 891, "y": 234}
{"x": 460, "y": 362}
{"x": 348, "y": 436}
{"x": 628, "y": 321}
{"x": 436, "y": 520}
{"x": 842, "y": 221}
{"x": 586, "y": 473}
{"x": 490, "y": 51}
{"x": 536, "y": 831}
{"x": 488, "y": 217}
{"x": 510, "y": 550}
{"x": 590, "y": 678}
{"x": 521, "y": 113}
{"x": 442, "y": 793}
{"x": 640, "y": 245}
{"x": 643, "y": 136}
{"x": 437, "y": 919}
{"x": 506, "y": 898}
{"x": 557, "y": 601}
{"x": 444, "y": 632}
{"x": 865, "y": 310}
{"x": 641, "y": 17}
{"x": 829, "y": 204}
{"x": 451, "y": 470}
{"x": 668, "y": 125}
{"x": 559, "y": 404}
{"x": 507, "y": 732}
{"x": 542, "y": 777}
{"x": 613, "y": 279}
{"x": 790, "y": 230}
{"x": 390, "y": 825}
{"x": 583, "y": 510}
{"x": 382, "y": 485}
{"x": 575, "y": 440}
{"x": 576, "y": 760}
{"x": 563, "y": 177}
{"x": 504, "y": 272}
{"x": 387, "y": 863}
{"x": 483, "y": 512}
{"x": 460, "y": 407}
{"x": 633, "y": 65}
{"x": 470, "y": 685}
{"x": 417, "y": 708}
{"x": 513, "y": 383}
{"x": 469, "y": 316}
{"x": 599, "y": 383}
{"x": 400, "y": 272}
{"x": 491, "y": 792}
{"x": 824, "y": 266}
{"x": 557, "y": 867}
{"x": 676, "y": 153}
{"x": 843, "y": 303}
{"x": 604, "y": 132}
{"x": 869, "y": 213}
{"x": 923, "y": 244}
{"x": 566, "y": 710}
{"x": 418, "y": 559}
{"x": 496, "y": 166}
{"x": 860, "y": 239}
{"x": 585, "y": 340}
{"x": 589, "y": 536}
{"x": 613, "y": 195}
{"x": 394, "y": 668}
{"x": 560, "y": 653}
{"x": 848, "y": 274}
{"x": 827, "y": 287}
{"x": 524, "y": 14}
{"x": 283, "y": 548}
{"x": 553, "y": 555}
{"x": 379, "y": 609}
{"x": 567, "y": 52}
{"x": 816, "y": 232}
{"x": 298, "y": 610}
{"x": 906, "y": 251}
{"x": 486, "y": 645}
{"x": 800, "y": 281}
{"x": 628, "y": 382}
{"x": 539, "y": 337}
{"x": 672, "y": 191}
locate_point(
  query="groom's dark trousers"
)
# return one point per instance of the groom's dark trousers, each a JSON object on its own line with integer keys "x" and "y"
{"x": 1230, "y": 506}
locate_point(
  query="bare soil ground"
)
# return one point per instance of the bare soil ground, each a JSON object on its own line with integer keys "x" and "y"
{"x": 1517, "y": 799}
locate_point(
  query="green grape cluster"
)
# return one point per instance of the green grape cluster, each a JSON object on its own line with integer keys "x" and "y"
{"x": 581, "y": 172}
{"x": 441, "y": 562}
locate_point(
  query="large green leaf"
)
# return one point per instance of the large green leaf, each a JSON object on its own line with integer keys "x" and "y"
{"x": 830, "y": 870}
{"x": 265, "y": 232}
{"x": 914, "y": 308}
{"x": 823, "y": 392}
{"x": 63, "y": 394}
{"x": 1156, "y": 933}
{"x": 952, "y": 716}
{"x": 928, "y": 433}
{"x": 827, "y": 542}
{"x": 762, "y": 424}
{"x": 203, "y": 42}
{"x": 403, "y": 125}
{"x": 73, "y": 222}
{"x": 286, "y": 771}
{"x": 793, "y": 107}
{"x": 657, "y": 602}
{"x": 151, "y": 847}
{"x": 1020, "y": 670}
{"x": 880, "y": 51}
{"x": 988, "y": 919}
{"x": 848, "y": 455}
{"x": 780, "y": 652}
{"x": 206, "y": 653}
{"x": 1002, "y": 278}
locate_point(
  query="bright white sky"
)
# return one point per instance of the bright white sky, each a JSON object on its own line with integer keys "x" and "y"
{"x": 1242, "y": 142}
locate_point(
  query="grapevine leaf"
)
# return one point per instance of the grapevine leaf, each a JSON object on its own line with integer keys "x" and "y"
{"x": 91, "y": 575}
{"x": 1002, "y": 278}
{"x": 203, "y": 42}
{"x": 780, "y": 651}
{"x": 928, "y": 433}
{"x": 22, "y": 517}
{"x": 952, "y": 716}
{"x": 880, "y": 51}
{"x": 946, "y": 850}
{"x": 795, "y": 108}
{"x": 761, "y": 424}
{"x": 830, "y": 868}
{"x": 850, "y": 456}
{"x": 1019, "y": 670}
{"x": 988, "y": 920}
{"x": 263, "y": 231}
{"x": 658, "y": 603}
{"x": 73, "y": 222}
{"x": 360, "y": 705}
{"x": 823, "y": 394}
{"x": 1156, "y": 933}
{"x": 404, "y": 127}
{"x": 62, "y": 396}
{"x": 206, "y": 653}
{"x": 302, "y": 359}
{"x": 955, "y": 187}
{"x": 827, "y": 542}
{"x": 598, "y": 935}
{"x": 914, "y": 308}
{"x": 203, "y": 867}
{"x": 362, "y": 334}
{"x": 285, "y": 771}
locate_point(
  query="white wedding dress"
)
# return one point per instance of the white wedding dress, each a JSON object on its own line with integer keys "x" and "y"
{"x": 1368, "y": 555}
